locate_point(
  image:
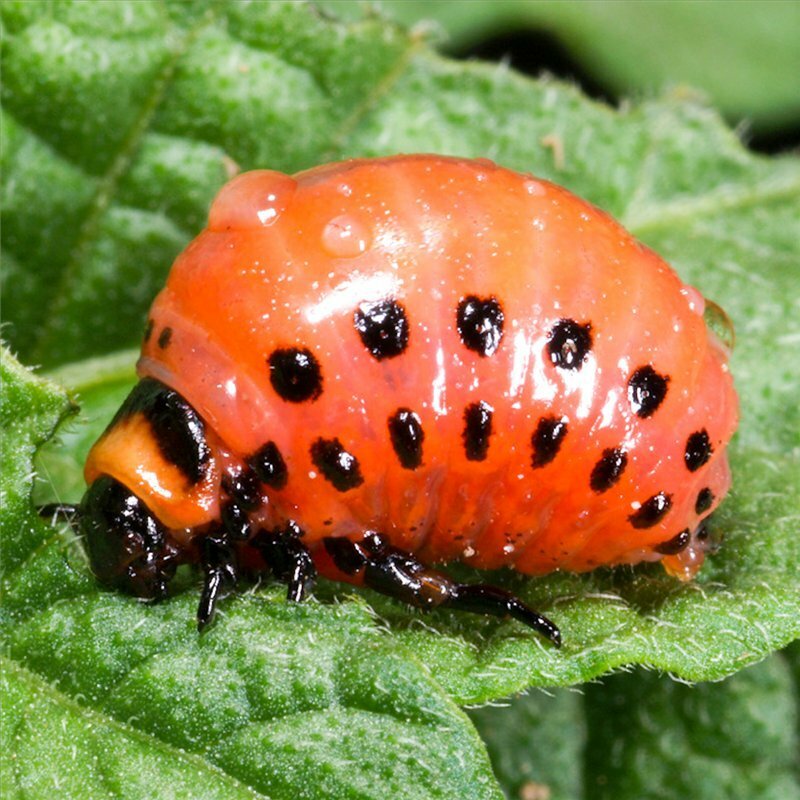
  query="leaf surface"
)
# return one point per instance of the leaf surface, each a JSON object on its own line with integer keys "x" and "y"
{"x": 117, "y": 136}
{"x": 643, "y": 735}
{"x": 742, "y": 54}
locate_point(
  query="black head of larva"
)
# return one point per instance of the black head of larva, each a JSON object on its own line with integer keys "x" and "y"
{"x": 646, "y": 391}
{"x": 480, "y": 324}
{"x": 569, "y": 343}
{"x": 383, "y": 328}
{"x": 295, "y": 374}
{"x": 698, "y": 450}
{"x": 126, "y": 544}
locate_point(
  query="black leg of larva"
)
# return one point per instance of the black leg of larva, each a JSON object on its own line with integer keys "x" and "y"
{"x": 398, "y": 574}
{"x": 483, "y": 599}
{"x": 218, "y": 561}
{"x": 288, "y": 558}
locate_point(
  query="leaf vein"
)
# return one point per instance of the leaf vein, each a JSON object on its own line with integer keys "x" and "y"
{"x": 108, "y": 185}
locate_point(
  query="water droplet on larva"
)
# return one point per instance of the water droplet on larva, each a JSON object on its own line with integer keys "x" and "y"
{"x": 696, "y": 301}
{"x": 345, "y": 237}
{"x": 251, "y": 200}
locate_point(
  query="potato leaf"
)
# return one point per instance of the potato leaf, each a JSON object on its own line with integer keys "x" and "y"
{"x": 120, "y": 121}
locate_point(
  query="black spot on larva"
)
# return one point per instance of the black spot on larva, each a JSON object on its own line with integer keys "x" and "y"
{"x": 477, "y": 430}
{"x": 705, "y": 499}
{"x": 295, "y": 374}
{"x": 652, "y": 511}
{"x": 336, "y": 464}
{"x": 546, "y": 440}
{"x": 646, "y": 390}
{"x": 405, "y": 431}
{"x": 569, "y": 343}
{"x": 698, "y": 450}
{"x": 268, "y": 464}
{"x": 243, "y": 488}
{"x": 177, "y": 429}
{"x": 674, "y": 545}
{"x": 383, "y": 328}
{"x": 148, "y": 330}
{"x": 480, "y": 324}
{"x": 608, "y": 470}
{"x": 164, "y": 338}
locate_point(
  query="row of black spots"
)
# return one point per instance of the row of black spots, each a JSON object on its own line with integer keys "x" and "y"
{"x": 341, "y": 468}
{"x": 336, "y": 464}
{"x": 407, "y": 436}
{"x": 547, "y": 439}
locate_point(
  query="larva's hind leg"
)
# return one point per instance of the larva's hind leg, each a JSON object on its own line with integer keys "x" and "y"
{"x": 288, "y": 558}
{"x": 398, "y": 574}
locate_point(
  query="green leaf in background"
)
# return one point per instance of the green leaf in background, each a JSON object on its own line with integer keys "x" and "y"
{"x": 641, "y": 736}
{"x": 120, "y": 122}
{"x": 742, "y": 53}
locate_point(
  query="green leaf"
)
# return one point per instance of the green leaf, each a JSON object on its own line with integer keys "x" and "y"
{"x": 119, "y": 126}
{"x": 644, "y": 735}
{"x": 737, "y": 739}
{"x": 743, "y": 54}
{"x": 105, "y": 697}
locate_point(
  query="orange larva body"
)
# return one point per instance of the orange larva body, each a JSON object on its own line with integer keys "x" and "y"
{"x": 595, "y": 386}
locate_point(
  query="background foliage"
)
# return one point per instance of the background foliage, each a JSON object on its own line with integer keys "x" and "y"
{"x": 119, "y": 124}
